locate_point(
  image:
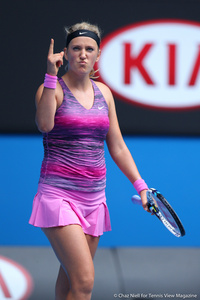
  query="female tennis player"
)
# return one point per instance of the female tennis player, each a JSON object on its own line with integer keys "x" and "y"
{"x": 76, "y": 115}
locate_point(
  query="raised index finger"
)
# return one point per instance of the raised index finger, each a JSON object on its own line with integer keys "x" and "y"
{"x": 51, "y": 47}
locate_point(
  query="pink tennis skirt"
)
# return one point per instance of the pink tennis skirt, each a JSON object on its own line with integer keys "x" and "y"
{"x": 54, "y": 207}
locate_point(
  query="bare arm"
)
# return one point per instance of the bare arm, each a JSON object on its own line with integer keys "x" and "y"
{"x": 117, "y": 147}
{"x": 48, "y": 100}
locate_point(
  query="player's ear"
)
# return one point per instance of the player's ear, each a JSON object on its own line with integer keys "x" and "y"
{"x": 65, "y": 53}
{"x": 98, "y": 55}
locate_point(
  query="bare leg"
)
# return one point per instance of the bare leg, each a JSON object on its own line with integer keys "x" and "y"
{"x": 74, "y": 250}
{"x": 62, "y": 283}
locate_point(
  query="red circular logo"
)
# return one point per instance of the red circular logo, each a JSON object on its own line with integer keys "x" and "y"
{"x": 15, "y": 282}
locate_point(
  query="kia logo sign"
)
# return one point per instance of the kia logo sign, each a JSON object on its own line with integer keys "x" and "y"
{"x": 15, "y": 282}
{"x": 154, "y": 64}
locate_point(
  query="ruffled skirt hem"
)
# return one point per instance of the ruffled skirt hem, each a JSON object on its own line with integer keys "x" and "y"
{"x": 54, "y": 207}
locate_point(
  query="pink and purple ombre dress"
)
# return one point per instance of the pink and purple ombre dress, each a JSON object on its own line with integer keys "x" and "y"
{"x": 72, "y": 181}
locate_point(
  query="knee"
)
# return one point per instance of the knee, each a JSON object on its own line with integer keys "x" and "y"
{"x": 83, "y": 285}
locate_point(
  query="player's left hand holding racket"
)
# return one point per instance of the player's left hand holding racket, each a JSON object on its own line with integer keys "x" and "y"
{"x": 159, "y": 206}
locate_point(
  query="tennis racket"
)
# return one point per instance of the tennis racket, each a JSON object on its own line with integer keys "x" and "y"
{"x": 159, "y": 206}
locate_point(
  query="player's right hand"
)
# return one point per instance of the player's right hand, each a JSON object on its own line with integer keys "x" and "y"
{"x": 54, "y": 60}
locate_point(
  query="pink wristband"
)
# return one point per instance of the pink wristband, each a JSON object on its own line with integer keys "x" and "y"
{"x": 50, "y": 81}
{"x": 140, "y": 185}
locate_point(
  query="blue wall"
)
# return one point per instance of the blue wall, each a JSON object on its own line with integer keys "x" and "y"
{"x": 169, "y": 164}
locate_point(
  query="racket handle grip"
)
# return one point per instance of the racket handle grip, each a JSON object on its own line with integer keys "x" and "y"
{"x": 136, "y": 200}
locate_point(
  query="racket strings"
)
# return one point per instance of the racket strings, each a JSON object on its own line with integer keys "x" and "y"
{"x": 163, "y": 210}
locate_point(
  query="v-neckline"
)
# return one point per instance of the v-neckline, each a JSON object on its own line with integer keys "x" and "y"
{"x": 77, "y": 99}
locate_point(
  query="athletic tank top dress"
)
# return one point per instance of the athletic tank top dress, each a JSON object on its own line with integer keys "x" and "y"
{"x": 74, "y": 149}
{"x": 72, "y": 180}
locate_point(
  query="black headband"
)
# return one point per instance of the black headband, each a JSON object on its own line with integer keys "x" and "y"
{"x": 83, "y": 32}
